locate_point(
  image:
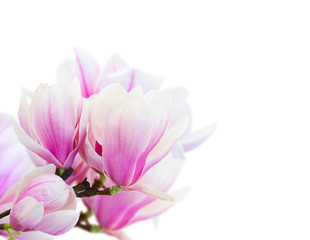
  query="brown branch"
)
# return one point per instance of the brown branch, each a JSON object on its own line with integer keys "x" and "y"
{"x": 4, "y": 214}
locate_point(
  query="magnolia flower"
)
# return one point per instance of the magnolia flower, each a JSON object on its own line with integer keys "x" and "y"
{"x": 15, "y": 163}
{"x": 53, "y": 126}
{"x": 128, "y": 135}
{"x": 44, "y": 202}
{"x": 93, "y": 79}
{"x": 118, "y": 211}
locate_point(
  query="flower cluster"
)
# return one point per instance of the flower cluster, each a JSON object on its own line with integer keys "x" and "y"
{"x": 110, "y": 136}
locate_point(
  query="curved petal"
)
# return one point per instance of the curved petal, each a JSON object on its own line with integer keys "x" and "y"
{"x": 57, "y": 223}
{"x": 87, "y": 72}
{"x": 150, "y": 191}
{"x": 34, "y": 146}
{"x": 81, "y": 134}
{"x": 193, "y": 140}
{"x": 126, "y": 134}
{"x": 26, "y": 213}
{"x": 130, "y": 78}
{"x": 54, "y": 133}
{"x": 98, "y": 110}
{"x": 23, "y": 114}
{"x": 92, "y": 158}
{"x": 48, "y": 169}
{"x": 114, "y": 64}
{"x": 166, "y": 143}
{"x": 158, "y": 206}
{"x": 33, "y": 235}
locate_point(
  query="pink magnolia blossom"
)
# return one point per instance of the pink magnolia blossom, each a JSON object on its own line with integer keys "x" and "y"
{"x": 44, "y": 202}
{"x": 93, "y": 79}
{"x": 53, "y": 126}
{"x": 118, "y": 211}
{"x": 129, "y": 134}
{"x": 15, "y": 163}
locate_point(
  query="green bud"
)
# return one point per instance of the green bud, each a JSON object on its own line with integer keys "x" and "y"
{"x": 115, "y": 189}
{"x": 96, "y": 229}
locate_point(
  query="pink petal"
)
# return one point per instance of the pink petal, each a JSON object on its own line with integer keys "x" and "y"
{"x": 23, "y": 114}
{"x": 158, "y": 206}
{"x": 33, "y": 235}
{"x": 130, "y": 78}
{"x": 26, "y": 213}
{"x": 57, "y": 223}
{"x": 48, "y": 169}
{"x": 166, "y": 143}
{"x": 47, "y": 188}
{"x": 126, "y": 134}
{"x": 88, "y": 71}
{"x": 150, "y": 191}
{"x": 33, "y": 146}
{"x": 114, "y": 64}
{"x": 54, "y": 133}
{"x": 196, "y": 138}
{"x": 91, "y": 156}
{"x": 81, "y": 134}
{"x": 99, "y": 106}
{"x": 163, "y": 174}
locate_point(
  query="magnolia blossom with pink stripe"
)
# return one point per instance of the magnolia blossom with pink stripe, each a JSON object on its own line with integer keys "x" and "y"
{"x": 129, "y": 134}
{"x": 53, "y": 126}
{"x": 116, "y": 212}
{"x": 93, "y": 79}
{"x": 15, "y": 163}
{"x": 44, "y": 202}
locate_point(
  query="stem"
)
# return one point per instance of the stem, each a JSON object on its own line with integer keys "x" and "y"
{"x": 6, "y": 213}
{"x": 64, "y": 173}
{"x": 84, "y": 224}
{"x": 84, "y": 189}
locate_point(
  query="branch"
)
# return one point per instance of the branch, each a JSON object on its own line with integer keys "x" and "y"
{"x": 6, "y": 213}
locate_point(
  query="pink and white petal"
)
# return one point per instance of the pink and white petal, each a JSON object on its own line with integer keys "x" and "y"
{"x": 26, "y": 213}
{"x": 158, "y": 206}
{"x": 150, "y": 191}
{"x": 193, "y": 140}
{"x": 147, "y": 81}
{"x": 127, "y": 129}
{"x": 87, "y": 72}
{"x": 114, "y": 64}
{"x": 66, "y": 71}
{"x": 34, "y": 146}
{"x": 23, "y": 114}
{"x": 82, "y": 131}
{"x": 33, "y": 235}
{"x": 71, "y": 202}
{"x": 48, "y": 169}
{"x": 124, "y": 77}
{"x": 178, "y": 151}
{"x": 159, "y": 106}
{"x": 54, "y": 133}
{"x": 91, "y": 157}
{"x": 163, "y": 174}
{"x": 57, "y": 223}
{"x": 36, "y": 159}
{"x": 117, "y": 234}
{"x": 100, "y": 103}
{"x": 166, "y": 143}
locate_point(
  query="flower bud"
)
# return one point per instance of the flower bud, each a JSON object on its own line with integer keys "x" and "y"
{"x": 44, "y": 202}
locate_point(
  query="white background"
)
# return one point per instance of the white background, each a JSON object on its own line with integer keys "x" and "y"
{"x": 247, "y": 66}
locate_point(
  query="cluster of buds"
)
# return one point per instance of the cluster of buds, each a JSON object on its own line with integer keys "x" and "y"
{"x": 110, "y": 136}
